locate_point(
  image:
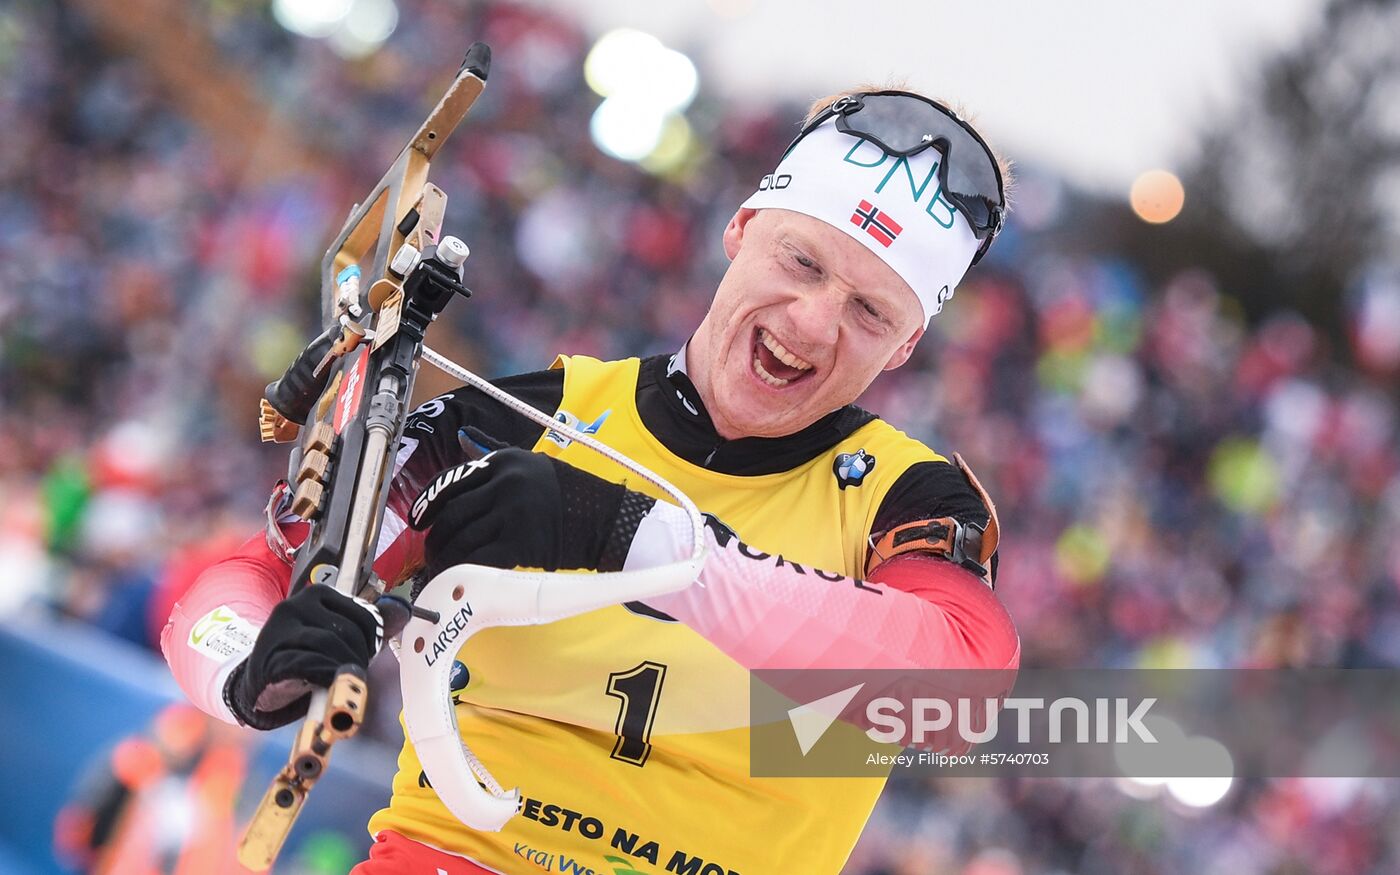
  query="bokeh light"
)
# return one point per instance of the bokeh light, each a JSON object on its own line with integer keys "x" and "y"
{"x": 1157, "y": 196}
{"x": 1139, "y": 762}
{"x": 627, "y": 128}
{"x": 1205, "y": 791}
{"x": 1081, "y": 554}
{"x": 618, "y": 60}
{"x": 354, "y": 28}
{"x": 1199, "y": 792}
{"x": 1244, "y": 476}
{"x": 632, "y": 63}
{"x": 311, "y": 18}
{"x": 366, "y": 27}
{"x": 673, "y": 148}
{"x": 646, "y": 86}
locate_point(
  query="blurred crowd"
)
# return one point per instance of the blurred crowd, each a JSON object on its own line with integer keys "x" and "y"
{"x": 1178, "y": 487}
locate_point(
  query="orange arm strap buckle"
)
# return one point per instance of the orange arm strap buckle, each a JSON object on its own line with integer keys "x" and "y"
{"x": 965, "y": 544}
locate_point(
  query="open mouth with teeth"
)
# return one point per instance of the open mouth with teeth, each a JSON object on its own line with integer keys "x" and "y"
{"x": 774, "y": 364}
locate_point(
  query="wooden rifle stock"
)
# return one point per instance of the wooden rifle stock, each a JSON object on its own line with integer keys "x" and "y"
{"x": 348, "y": 394}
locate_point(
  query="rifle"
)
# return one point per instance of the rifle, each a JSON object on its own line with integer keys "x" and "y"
{"x": 353, "y": 406}
{"x": 347, "y": 396}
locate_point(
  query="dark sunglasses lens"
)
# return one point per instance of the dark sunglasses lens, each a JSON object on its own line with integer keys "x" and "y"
{"x": 977, "y": 210}
{"x": 901, "y": 123}
{"x": 905, "y": 124}
{"x": 972, "y": 171}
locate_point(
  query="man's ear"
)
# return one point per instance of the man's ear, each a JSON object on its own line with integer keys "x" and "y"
{"x": 734, "y": 231}
{"x": 905, "y": 350}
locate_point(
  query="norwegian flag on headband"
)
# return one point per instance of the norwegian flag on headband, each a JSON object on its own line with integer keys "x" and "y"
{"x": 876, "y": 222}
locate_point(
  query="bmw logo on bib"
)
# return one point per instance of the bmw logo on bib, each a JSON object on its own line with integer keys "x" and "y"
{"x": 850, "y": 468}
{"x": 460, "y": 677}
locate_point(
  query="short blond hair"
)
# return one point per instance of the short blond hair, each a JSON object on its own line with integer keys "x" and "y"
{"x": 1004, "y": 164}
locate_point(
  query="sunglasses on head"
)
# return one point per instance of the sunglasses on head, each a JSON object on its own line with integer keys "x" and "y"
{"x": 903, "y": 125}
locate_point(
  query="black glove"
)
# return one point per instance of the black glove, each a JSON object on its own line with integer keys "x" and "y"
{"x": 513, "y": 507}
{"x": 306, "y": 640}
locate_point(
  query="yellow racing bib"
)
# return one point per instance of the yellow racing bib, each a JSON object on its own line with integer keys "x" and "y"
{"x": 626, "y": 732}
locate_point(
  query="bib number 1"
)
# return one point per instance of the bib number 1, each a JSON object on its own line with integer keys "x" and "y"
{"x": 639, "y": 690}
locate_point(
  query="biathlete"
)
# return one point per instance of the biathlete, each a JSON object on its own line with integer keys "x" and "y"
{"x": 844, "y": 543}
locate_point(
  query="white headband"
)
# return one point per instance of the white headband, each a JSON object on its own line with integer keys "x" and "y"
{"x": 895, "y": 206}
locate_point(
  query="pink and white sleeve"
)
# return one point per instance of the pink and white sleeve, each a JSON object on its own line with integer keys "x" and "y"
{"x": 769, "y": 612}
{"x": 213, "y": 626}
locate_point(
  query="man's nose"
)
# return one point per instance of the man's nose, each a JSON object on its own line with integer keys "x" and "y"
{"x": 817, "y": 316}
